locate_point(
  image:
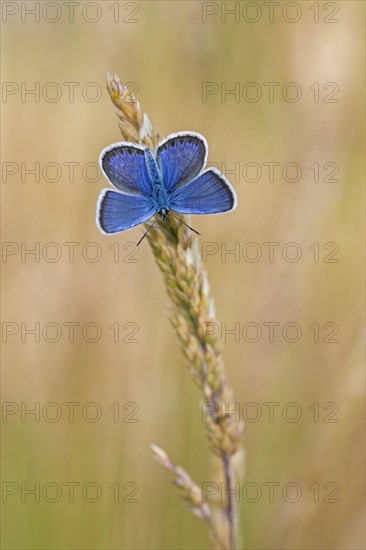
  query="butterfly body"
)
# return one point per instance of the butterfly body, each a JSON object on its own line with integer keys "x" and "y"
{"x": 152, "y": 168}
{"x": 148, "y": 183}
{"x": 159, "y": 196}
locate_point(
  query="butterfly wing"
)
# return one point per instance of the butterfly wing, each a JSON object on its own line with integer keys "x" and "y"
{"x": 208, "y": 194}
{"x": 181, "y": 157}
{"x": 118, "y": 212}
{"x": 123, "y": 164}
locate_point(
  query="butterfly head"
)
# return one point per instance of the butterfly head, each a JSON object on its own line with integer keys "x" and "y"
{"x": 163, "y": 212}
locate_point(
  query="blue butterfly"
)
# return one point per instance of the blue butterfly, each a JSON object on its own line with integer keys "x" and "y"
{"x": 149, "y": 183}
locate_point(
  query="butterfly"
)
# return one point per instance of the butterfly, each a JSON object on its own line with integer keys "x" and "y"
{"x": 168, "y": 180}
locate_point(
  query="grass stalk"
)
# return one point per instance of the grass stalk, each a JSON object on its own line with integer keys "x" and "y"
{"x": 176, "y": 252}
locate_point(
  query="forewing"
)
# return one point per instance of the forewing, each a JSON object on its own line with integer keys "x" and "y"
{"x": 119, "y": 212}
{"x": 181, "y": 157}
{"x": 123, "y": 164}
{"x": 208, "y": 194}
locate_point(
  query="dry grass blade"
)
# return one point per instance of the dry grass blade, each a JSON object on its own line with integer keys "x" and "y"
{"x": 176, "y": 252}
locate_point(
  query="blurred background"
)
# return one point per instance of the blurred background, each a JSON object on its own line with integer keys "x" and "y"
{"x": 102, "y": 371}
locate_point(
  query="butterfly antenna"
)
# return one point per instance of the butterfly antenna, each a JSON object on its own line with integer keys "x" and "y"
{"x": 146, "y": 232}
{"x": 184, "y": 223}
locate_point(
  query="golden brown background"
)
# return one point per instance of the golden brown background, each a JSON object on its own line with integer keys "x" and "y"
{"x": 167, "y": 55}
